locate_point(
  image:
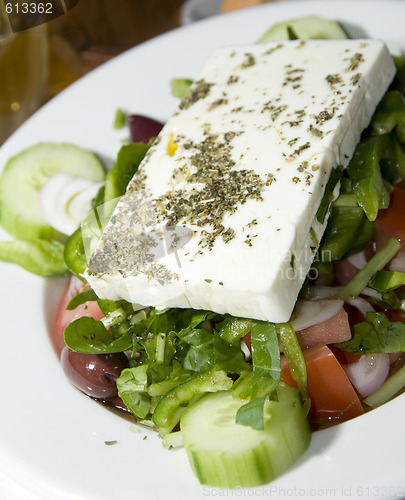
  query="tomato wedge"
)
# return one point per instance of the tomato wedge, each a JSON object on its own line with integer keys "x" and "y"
{"x": 391, "y": 222}
{"x": 330, "y": 331}
{"x": 64, "y": 317}
{"x": 334, "y": 329}
{"x": 333, "y": 398}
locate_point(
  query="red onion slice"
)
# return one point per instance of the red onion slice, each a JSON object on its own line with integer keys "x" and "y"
{"x": 311, "y": 312}
{"x": 358, "y": 260}
{"x": 370, "y": 292}
{"x": 398, "y": 263}
{"x": 369, "y": 373}
{"x": 319, "y": 292}
{"x": 360, "y": 304}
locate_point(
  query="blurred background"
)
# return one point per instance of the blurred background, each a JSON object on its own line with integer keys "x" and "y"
{"x": 37, "y": 63}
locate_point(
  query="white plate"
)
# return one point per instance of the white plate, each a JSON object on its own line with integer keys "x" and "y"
{"x": 52, "y": 438}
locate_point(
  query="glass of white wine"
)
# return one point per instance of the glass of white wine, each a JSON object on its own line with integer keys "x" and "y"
{"x": 23, "y": 73}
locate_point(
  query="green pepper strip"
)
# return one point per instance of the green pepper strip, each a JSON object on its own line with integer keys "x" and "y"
{"x": 295, "y": 358}
{"x": 365, "y": 173}
{"x": 170, "y": 408}
{"x": 348, "y": 230}
{"x": 235, "y": 329}
{"x": 376, "y": 263}
{"x": 327, "y": 198}
{"x": 387, "y": 280}
{"x": 74, "y": 253}
{"x": 392, "y": 386}
{"x": 389, "y": 113}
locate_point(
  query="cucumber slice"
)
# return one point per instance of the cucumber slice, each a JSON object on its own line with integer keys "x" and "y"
{"x": 307, "y": 27}
{"x": 225, "y": 454}
{"x": 24, "y": 175}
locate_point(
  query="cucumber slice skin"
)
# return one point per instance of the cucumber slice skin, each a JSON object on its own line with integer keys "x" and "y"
{"x": 224, "y": 454}
{"x": 23, "y": 177}
{"x": 306, "y": 27}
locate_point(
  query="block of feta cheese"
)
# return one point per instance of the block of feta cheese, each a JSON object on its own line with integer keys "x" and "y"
{"x": 223, "y": 214}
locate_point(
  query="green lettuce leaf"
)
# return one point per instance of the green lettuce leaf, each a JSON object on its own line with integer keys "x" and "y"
{"x": 265, "y": 377}
{"x": 88, "y": 335}
{"x": 208, "y": 350}
{"x": 376, "y": 334}
{"x": 132, "y": 384}
{"x": 41, "y": 257}
{"x": 128, "y": 160}
{"x": 81, "y": 298}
